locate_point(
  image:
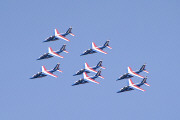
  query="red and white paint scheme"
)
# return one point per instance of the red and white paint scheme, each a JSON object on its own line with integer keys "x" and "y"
{"x": 94, "y": 47}
{"x": 65, "y": 51}
{"x": 109, "y": 47}
{"x": 131, "y": 84}
{"x": 60, "y": 71}
{"x": 101, "y": 77}
{"x": 103, "y": 67}
{"x": 53, "y": 53}
{"x": 57, "y": 34}
{"x": 89, "y": 68}
{"x": 86, "y": 77}
{"x": 133, "y": 73}
{"x": 47, "y": 72}
{"x": 146, "y": 71}
{"x": 71, "y": 34}
{"x": 146, "y": 84}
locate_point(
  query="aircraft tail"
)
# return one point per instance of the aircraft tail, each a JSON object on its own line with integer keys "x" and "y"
{"x": 98, "y": 74}
{"x": 63, "y": 48}
{"x": 106, "y": 44}
{"x": 143, "y": 68}
{"x": 100, "y": 65}
{"x": 69, "y": 31}
{"x": 56, "y": 68}
{"x": 145, "y": 82}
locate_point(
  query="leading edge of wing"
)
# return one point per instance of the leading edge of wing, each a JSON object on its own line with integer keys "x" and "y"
{"x": 53, "y": 53}
{"x": 48, "y": 73}
{"x": 133, "y": 73}
{"x": 97, "y": 49}
{"x": 86, "y": 77}
{"x": 131, "y": 84}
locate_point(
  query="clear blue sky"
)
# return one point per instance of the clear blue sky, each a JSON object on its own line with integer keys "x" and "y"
{"x": 140, "y": 32}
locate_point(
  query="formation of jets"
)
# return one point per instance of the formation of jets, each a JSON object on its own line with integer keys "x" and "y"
{"x": 57, "y": 36}
{"x": 133, "y": 86}
{"x": 131, "y": 74}
{"x": 87, "y": 69}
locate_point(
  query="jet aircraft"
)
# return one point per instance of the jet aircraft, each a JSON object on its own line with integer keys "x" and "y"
{"x": 52, "y": 53}
{"x": 133, "y": 86}
{"x": 58, "y": 35}
{"x": 46, "y": 72}
{"x": 96, "y": 49}
{"x": 88, "y": 69}
{"x": 87, "y": 79}
{"x": 131, "y": 73}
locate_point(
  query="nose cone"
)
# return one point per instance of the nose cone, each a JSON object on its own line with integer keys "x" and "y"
{"x": 119, "y": 79}
{"x": 38, "y": 59}
{"x": 46, "y": 41}
{"x": 74, "y": 74}
{"x": 118, "y": 91}
{"x": 31, "y": 78}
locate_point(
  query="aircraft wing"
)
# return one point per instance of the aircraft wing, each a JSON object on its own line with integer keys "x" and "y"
{"x": 53, "y": 53}
{"x": 47, "y": 72}
{"x": 94, "y": 47}
{"x": 133, "y": 73}
{"x": 57, "y": 34}
{"x": 60, "y": 36}
{"x": 131, "y": 84}
{"x": 86, "y": 77}
{"x": 89, "y": 68}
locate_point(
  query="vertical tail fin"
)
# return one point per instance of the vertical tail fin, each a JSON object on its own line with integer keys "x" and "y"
{"x": 56, "y": 68}
{"x": 100, "y": 65}
{"x": 143, "y": 68}
{"x": 145, "y": 82}
{"x": 63, "y": 48}
{"x": 106, "y": 44}
{"x": 69, "y": 31}
{"x": 98, "y": 74}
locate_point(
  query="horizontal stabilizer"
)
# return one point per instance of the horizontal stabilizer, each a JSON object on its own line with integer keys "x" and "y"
{"x": 146, "y": 84}
{"x": 146, "y": 71}
{"x": 71, "y": 34}
{"x": 65, "y": 51}
{"x": 103, "y": 67}
{"x": 60, "y": 70}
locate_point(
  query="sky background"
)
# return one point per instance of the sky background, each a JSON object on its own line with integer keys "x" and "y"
{"x": 139, "y": 32}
